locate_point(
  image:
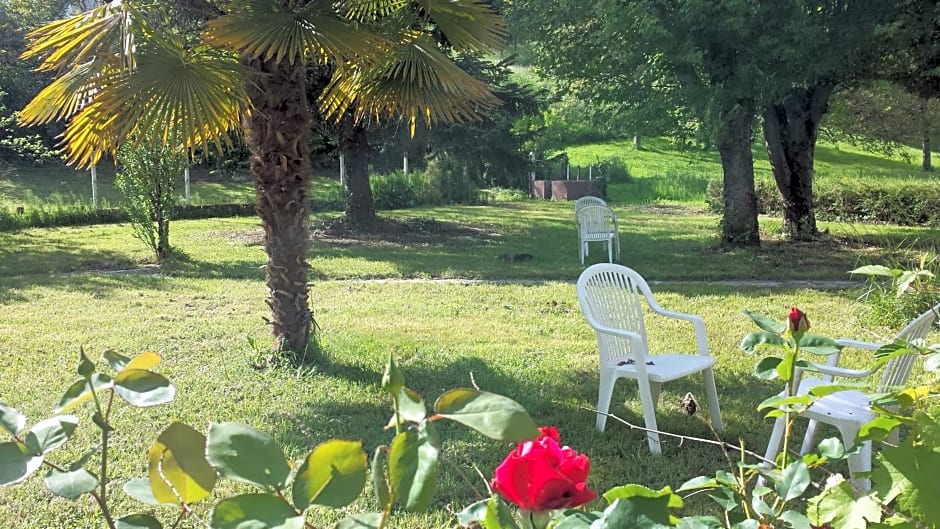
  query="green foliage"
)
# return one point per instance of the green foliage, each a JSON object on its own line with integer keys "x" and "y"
{"x": 146, "y": 179}
{"x": 17, "y": 145}
{"x": 442, "y": 183}
{"x": 449, "y": 183}
{"x": 900, "y": 293}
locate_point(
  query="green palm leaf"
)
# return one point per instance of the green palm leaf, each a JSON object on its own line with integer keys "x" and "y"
{"x": 371, "y": 10}
{"x": 470, "y": 25}
{"x": 418, "y": 80}
{"x": 260, "y": 28}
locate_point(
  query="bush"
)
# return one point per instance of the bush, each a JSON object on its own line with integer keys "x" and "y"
{"x": 909, "y": 204}
{"x": 448, "y": 183}
{"x": 394, "y": 190}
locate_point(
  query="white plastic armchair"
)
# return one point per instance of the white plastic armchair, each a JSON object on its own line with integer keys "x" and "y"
{"x": 611, "y": 298}
{"x": 598, "y": 224}
{"x": 587, "y": 201}
{"x": 849, "y": 410}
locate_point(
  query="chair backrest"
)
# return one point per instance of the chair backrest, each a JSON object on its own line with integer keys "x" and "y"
{"x": 596, "y": 220}
{"x": 898, "y": 369}
{"x": 587, "y": 201}
{"x": 611, "y": 295}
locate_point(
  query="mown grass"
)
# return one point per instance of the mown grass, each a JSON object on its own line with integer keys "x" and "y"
{"x": 526, "y": 340}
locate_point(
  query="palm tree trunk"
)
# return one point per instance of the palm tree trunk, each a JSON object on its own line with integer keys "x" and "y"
{"x": 279, "y": 140}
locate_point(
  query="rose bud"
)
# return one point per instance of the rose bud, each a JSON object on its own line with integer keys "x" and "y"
{"x": 798, "y": 320}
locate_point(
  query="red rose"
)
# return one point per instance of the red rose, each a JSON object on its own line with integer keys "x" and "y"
{"x": 798, "y": 320}
{"x": 541, "y": 475}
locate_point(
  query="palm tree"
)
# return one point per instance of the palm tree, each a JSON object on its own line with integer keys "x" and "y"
{"x": 121, "y": 68}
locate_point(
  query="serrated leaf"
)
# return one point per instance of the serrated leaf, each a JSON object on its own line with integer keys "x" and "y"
{"x": 700, "y": 522}
{"x": 81, "y": 391}
{"x": 143, "y": 388}
{"x": 71, "y": 485}
{"x": 85, "y": 366}
{"x": 140, "y": 490}
{"x": 245, "y": 454}
{"x": 907, "y": 474}
{"x": 145, "y": 361}
{"x": 767, "y": 368}
{"x": 114, "y": 359}
{"x": 796, "y": 520}
{"x": 11, "y": 420}
{"x": 369, "y": 520}
{"x": 878, "y": 429}
{"x": 498, "y": 515}
{"x": 757, "y": 340}
{"x": 574, "y": 519}
{"x": 16, "y": 463}
{"x": 794, "y": 403}
{"x": 838, "y": 507}
{"x": 50, "y": 434}
{"x": 636, "y": 513}
{"x": 492, "y": 415}
{"x": 379, "y": 482}
{"x": 177, "y": 466}
{"x": 639, "y": 491}
{"x": 698, "y": 482}
{"x": 413, "y": 462}
{"x": 255, "y": 511}
{"x": 137, "y": 521}
{"x": 765, "y": 323}
{"x": 794, "y": 479}
{"x": 332, "y": 475}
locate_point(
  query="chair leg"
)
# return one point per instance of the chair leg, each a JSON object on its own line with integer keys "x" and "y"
{"x": 581, "y": 250}
{"x": 649, "y": 416}
{"x": 774, "y": 444}
{"x": 604, "y": 394}
{"x": 860, "y": 462}
{"x": 809, "y": 440}
{"x": 617, "y": 248}
{"x": 711, "y": 393}
{"x": 655, "y": 389}
{"x": 610, "y": 251}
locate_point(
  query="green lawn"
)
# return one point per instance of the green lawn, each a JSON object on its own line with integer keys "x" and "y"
{"x": 525, "y": 339}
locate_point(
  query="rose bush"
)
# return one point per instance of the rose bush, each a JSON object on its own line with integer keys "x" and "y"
{"x": 542, "y": 475}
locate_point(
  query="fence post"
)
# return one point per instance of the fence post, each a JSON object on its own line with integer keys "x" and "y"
{"x": 186, "y": 180}
{"x": 590, "y": 172}
{"x": 342, "y": 170}
{"x": 94, "y": 185}
{"x": 405, "y": 164}
{"x": 532, "y": 172}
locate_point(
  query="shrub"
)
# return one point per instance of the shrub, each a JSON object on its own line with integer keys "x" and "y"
{"x": 393, "y": 191}
{"x": 449, "y": 183}
{"x": 899, "y": 293}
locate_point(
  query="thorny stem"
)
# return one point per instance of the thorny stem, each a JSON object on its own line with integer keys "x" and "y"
{"x": 105, "y": 431}
{"x": 179, "y": 518}
{"x": 103, "y": 505}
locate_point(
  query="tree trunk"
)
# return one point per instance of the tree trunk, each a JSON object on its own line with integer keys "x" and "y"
{"x": 791, "y": 127}
{"x": 279, "y": 140}
{"x": 925, "y": 130}
{"x": 739, "y": 226}
{"x": 360, "y": 208}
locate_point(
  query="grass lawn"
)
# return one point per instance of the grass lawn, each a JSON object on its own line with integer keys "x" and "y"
{"x": 524, "y": 339}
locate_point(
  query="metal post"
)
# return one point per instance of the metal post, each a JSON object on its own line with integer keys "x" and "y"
{"x": 186, "y": 180}
{"x": 579, "y": 173}
{"x": 590, "y": 172}
{"x": 405, "y": 164}
{"x": 532, "y": 172}
{"x": 342, "y": 170}
{"x": 94, "y": 185}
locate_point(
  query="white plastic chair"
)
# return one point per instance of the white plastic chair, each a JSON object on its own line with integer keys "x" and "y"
{"x": 587, "y": 201}
{"x": 598, "y": 224}
{"x": 611, "y": 299}
{"x": 849, "y": 410}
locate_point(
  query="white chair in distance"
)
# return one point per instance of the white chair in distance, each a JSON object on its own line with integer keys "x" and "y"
{"x": 849, "y": 410}
{"x": 587, "y": 201}
{"x": 598, "y": 224}
{"x": 611, "y": 298}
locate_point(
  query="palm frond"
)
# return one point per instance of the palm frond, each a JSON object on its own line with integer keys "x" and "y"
{"x": 261, "y": 29}
{"x": 106, "y": 31}
{"x": 470, "y": 25}
{"x": 65, "y": 96}
{"x": 371, "y": 10}
{"x": 192, "y": 98}
{"x": 418, "y": 81}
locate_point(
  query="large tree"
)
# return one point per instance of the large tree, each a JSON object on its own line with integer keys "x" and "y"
{"x": 119, "y": 70}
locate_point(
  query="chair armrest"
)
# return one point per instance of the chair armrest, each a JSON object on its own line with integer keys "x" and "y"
{"x": 697, "y": 322}
{"x": 871, "y": 346}
{"x": 635, "y": 338}
{"x": 835, "y": 371}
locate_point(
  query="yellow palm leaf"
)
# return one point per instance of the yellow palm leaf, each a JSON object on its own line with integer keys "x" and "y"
{"x": 470, "y": 25}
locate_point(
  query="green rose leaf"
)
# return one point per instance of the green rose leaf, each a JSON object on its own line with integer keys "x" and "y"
{"x": 498, "y": 515}
{"x": 369, "y": 520}
{"x": 831, "y": 448}
{"x": 838, "y": 507}
{"x": 143, "y": 388}
{"x": 255, "y": 511}
{"x": 16, "y": 462}
{"x": 697, "y": 483}
{"x": 140, "y": 490}
{"x": 392, "y": 379}
{"x": 639, "y": 491}
{"x": 11, "y": 420}
{"x": 819, "y": 345}
{"x": 85, "y": 366}
{"x": 411, "y": 406}
{"x": 81, "y": 391}
{"x": 756, "y": 340}
{"x": 71, "y": 485}
{"x": 50, "y": 434}
{"x": 332, "y": 475}
{"x": 879, "y": 428}
{"x": 700, "y": 522}
{"x": 379, "y": 481}
{"x": 177, "y": 466}
{"x": 245, "y": 454}
{"x": 637, "y": 512}
{"x": 413, "y": 462}
{"x": 793, "y": 481}
{"x": 765, "y": 323}
{"x": 138, "y": 521}
{"x": 876, "y": 270}
{"x": 574, "y": 519}
{"x": 767, "y": 368}
{"x": 492, "y": 415}
{"x": 796, "y": 519}
{"x": 116, "y": 360}
{"x": 475, "y": 512}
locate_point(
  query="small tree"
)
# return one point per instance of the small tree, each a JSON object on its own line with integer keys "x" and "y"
{"x": 145, "y": 180}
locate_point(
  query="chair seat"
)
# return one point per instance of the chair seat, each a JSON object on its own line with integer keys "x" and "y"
{"x": 844, "y": 406}
{"x": 664, "y": 367}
